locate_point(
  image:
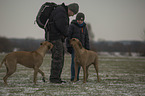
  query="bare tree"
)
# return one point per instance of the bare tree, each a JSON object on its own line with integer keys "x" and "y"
{"x": 90, "y": 32}
{"x": 143, "y": 35}
{"x": 5, "y": 45}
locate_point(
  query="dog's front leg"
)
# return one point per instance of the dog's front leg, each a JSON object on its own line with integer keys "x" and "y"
{"x": 35, "y": 74}
{"x": 87, "y": 72}
{"x": 42, "y": 75}
{"x": 96, "y": 68}
{"x": 85, "y": 77}
{"x": 76, "y": 71}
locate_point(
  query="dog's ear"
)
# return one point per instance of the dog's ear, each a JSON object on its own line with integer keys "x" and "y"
{"x": 80, "y": 45}
{"x": 43, "y": 43}
{"x": 50, "y": 46}
{"x": 73, "y": 39}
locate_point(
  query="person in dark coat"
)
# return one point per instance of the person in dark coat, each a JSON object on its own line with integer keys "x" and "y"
{"x": 57, "y": 31}
{"x": 77, "y": 29}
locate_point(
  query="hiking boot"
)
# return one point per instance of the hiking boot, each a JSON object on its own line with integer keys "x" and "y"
{"x": 72, "y": 79}
{"x": 57, "y": 81}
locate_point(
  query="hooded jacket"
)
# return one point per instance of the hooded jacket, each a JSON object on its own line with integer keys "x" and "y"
{"x": 79, "y": 32}
{"x": 58, "y": 23}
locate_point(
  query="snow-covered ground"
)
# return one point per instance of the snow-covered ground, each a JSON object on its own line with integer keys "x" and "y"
{"x": 120, "y": 76}
{"x": 119, "y": 54}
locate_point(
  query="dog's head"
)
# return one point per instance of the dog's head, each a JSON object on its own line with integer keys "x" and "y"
{"x": 48, "y": 44}
{"x": 75, "y": 41}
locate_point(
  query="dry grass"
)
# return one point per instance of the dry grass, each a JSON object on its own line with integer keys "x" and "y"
{"x": 120, "y": 76}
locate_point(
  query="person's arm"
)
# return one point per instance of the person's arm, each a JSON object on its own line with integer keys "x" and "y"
{"x": 61, "y": 22}
{"x": 70, "y": 33}
{"x": 87, "y": 45}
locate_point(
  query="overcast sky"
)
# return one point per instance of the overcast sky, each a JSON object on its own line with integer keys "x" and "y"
{"x": 110, "y": 19}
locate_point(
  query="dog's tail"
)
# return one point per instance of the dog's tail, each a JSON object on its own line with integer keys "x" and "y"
{"x": 4, "y": 60}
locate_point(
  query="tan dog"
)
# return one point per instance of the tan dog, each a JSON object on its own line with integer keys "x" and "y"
{"x": 32, "y": 59}
{"x": 84, "y": 58}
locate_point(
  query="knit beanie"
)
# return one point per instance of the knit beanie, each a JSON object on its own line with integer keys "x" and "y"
{"x": 74, "y": 7}
{"x": 80, "y": 16}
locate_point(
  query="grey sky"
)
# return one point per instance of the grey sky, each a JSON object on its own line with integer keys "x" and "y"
{"x": 110, "y": 19}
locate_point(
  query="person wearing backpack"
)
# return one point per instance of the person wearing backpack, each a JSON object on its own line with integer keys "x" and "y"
{"x": 57, "y": 31}
{"x": 77, "y": 29}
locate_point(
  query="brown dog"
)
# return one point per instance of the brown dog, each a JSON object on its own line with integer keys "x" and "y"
{"x": 32, "y": 59}
{"x": 84, "y": 58}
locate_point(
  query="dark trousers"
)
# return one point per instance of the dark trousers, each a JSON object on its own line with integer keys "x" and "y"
{"x": 73, "y": 67}
{"x": 57, "y": 59}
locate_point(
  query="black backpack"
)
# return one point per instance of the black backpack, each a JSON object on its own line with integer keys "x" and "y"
{"x": 44, "y": 13}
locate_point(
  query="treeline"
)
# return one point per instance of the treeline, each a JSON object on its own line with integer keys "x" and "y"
{"x": 120, "y": 46}
{"x": 29, "y": 44}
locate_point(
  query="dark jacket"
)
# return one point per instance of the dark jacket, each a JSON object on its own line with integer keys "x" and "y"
{"x": 79, "y": 32}
{"x": 58, "y": 23}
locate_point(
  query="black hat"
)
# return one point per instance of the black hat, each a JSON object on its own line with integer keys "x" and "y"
{"x": 74, "y": 7}
{"x": 80, "y": 16}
